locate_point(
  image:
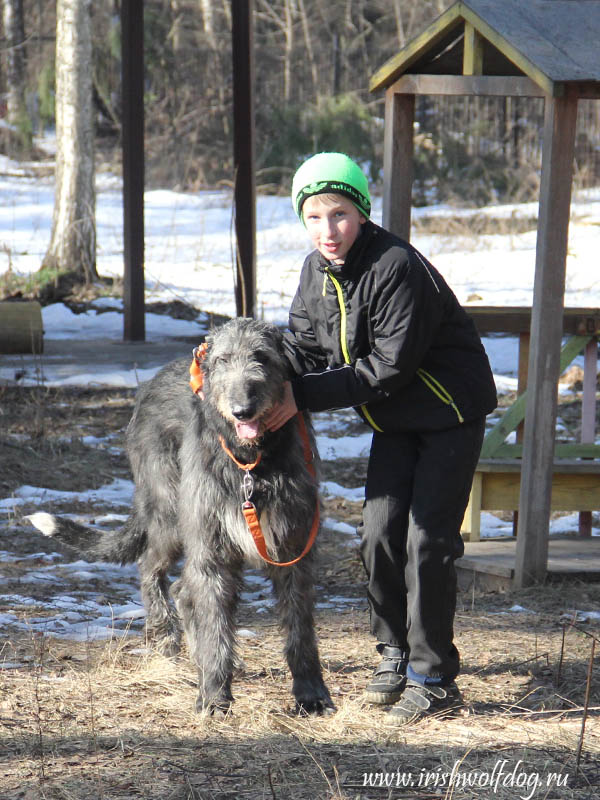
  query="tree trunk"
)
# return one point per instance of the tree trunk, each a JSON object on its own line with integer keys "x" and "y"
{"x": 208, "y": 22}
{"x": 399, "y": 23}
{"x": 176, "y": 32}
{"x": 73, "y": 240}
{"x": 14, "y": 31}
{"x": 288, "y": 51}
{"x": 310, "y": 55}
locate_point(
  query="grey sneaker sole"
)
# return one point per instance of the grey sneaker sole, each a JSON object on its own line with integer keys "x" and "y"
{"x": 382, "y": 698}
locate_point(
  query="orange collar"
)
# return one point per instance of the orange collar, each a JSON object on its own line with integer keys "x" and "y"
{"x": 249, "y": 509}
{"x": 245, "y": 467}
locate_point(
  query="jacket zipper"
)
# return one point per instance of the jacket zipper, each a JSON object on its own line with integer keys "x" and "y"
{"x": 343, "y": 342}
{"x": 439, "y": 390}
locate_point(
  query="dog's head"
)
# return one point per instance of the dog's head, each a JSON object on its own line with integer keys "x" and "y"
{"x": 243, "y": 372}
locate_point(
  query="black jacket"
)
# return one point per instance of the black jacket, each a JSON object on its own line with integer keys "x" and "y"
{"x": 384, "y": 333}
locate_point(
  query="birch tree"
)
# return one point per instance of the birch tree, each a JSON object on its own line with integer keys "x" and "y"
{"x": 208, "y": 22}
{"x": 14, "y": 30}
{"x": 73, "y": 240}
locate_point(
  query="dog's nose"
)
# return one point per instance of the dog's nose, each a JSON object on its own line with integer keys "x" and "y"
{"x": 243, "y": 412}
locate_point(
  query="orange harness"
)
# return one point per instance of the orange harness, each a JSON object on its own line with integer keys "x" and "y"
{"x": 196, "y": 375}
{"x": 248, "y": 508}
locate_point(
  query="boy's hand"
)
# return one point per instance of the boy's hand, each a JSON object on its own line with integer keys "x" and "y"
{"x": 283, "y": 411}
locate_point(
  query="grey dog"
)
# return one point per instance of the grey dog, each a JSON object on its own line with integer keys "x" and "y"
{"x": 188, "y": 499}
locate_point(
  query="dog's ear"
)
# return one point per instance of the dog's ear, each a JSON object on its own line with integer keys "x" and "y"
{"x": 278, "y": 336}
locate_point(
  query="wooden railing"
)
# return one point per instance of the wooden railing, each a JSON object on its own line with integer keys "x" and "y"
{"x": 576, "y": 477}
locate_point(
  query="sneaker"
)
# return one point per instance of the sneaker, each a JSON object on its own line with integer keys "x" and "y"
{"x": 389, "y": 678}
{"x": 418, "y": 702}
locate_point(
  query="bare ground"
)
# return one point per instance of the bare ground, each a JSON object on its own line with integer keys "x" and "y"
{"x": 89, "y": 719}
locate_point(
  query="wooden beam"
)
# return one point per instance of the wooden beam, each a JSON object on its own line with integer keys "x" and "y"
{"x": 570, "y": 466}
{"x": 546, "y": 332}
{"x": 399, "y": 63}
{"x": 585, "y": 90}
{"x": 243, "y": 156}
{"x": 506, "y": 48}
{"x": 472, "y": 51}
{"x": 458, "y": 85}
{"x": 588, "y": 416}
{"x": 570, "y": 491}
{"x": 517, "y": 319}
{"x": 398, "y": 162}
{"x": 471, "y": 527}
{"x": 588, "y": 404}
{"x": 561, "y": 451}
{"x": 523, "y": 367}
{"x": 513, "y": 416}
{"x": 132, "y": 61}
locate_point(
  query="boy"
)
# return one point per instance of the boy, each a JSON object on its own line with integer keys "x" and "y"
{"x": 374, "y": 326}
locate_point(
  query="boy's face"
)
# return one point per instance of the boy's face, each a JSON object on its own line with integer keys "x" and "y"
{"x": 332, "y": 226}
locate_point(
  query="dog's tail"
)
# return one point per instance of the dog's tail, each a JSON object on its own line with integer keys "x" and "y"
{"x": 122, "y": 546}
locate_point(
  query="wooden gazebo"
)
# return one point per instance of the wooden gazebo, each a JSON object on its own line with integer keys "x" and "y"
{"x": 538, "y": 48}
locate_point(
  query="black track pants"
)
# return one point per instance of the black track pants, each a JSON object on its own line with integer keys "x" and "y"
{"x": 417, "y": 491}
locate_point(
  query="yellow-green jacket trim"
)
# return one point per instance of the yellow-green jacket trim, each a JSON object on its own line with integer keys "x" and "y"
{"x": 439, "y": 390}
{"x": 344, "y": 343}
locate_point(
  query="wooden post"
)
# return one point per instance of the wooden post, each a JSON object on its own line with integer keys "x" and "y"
{"x": 472, "y": 51}
{"x": 471, "y": 527}
{"x": 524, "y": 339}
{"x": 243, "y": 156}
{"x": 132, "y": 61}
{"x": 546, "y": 333}
{"x": 588, "y": 417}
{"x": 398, "y": 162}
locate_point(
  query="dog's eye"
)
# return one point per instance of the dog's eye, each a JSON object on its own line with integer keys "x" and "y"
{"x": 220, "y": 361}
{"x": 261, "y": 358}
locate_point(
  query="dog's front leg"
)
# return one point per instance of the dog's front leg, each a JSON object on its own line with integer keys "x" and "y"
{"x": 207, "y": 599}
{"x": 294, "y": 589}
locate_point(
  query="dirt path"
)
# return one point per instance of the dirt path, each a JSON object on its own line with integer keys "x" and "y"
{"x": 87, "y": 711}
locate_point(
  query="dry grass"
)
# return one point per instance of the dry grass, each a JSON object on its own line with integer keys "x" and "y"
{"x": 96, "y": 720}
{"x": 473, "y": 225}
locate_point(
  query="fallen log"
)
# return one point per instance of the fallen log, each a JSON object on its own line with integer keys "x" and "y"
{"x": 21, "y": 329}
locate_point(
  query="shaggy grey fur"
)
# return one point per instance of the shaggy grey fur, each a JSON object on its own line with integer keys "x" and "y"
{"x": 187, "y": 502}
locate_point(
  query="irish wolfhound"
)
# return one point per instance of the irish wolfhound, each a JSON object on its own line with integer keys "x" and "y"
{"x": 192, "y": 456}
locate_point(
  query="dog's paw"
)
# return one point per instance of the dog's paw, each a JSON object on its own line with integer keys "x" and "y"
{"x": 312, "y": 697}
{"x": 217, "y": 707}
{"x": 164, "y": 638}
{"x": 170, "y": 645}
{"x": 319, "y": 708}
{"x": 214, "y": 703}
{"x": 169, "y": 648}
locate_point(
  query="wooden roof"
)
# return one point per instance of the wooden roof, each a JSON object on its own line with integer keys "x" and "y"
{"x": 554, "y": 42}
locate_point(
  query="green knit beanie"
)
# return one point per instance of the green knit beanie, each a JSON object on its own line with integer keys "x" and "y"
{"x": 331, "y": 173}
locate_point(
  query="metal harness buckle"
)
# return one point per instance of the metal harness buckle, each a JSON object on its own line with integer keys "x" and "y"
{"x": 248, "y": 485}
